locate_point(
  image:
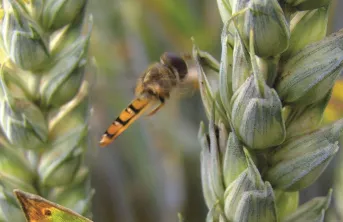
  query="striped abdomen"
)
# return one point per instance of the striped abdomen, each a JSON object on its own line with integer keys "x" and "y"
{"x": 124, "y": 120}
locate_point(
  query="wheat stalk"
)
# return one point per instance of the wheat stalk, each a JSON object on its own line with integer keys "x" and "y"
{"x": 264, "y": 143}
{"x": 42, "y": 88}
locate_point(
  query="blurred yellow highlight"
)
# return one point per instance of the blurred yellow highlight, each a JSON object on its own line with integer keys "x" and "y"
{"x": 334, "y": 110}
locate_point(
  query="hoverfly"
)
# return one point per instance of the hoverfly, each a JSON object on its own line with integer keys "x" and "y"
{"x": 153, "y": 86}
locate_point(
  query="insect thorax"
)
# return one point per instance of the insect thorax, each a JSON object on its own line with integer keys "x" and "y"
{"x": 160, "y": 78}
{"x": 175, "y": 62}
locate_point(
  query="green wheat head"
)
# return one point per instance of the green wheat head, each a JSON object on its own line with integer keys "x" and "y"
{"x": 265, "y": 101}
{"x": 42, "y": 87}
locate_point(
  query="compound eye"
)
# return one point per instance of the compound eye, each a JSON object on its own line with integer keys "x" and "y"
{"x": 175, "y": 61}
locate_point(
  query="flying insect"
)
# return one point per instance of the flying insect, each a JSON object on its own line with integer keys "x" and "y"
{"x": 154, "y": 85}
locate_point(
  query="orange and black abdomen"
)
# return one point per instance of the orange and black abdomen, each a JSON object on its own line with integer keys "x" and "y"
{"x": 124, "y": 120}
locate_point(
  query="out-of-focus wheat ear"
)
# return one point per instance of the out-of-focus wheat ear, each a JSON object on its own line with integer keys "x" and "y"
{"x": 41, "y": 79}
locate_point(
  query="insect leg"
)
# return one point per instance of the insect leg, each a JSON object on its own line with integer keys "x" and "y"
{"x": 162, "y": 102}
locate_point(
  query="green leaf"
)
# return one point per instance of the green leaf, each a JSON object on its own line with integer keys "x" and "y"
{"x": 37, "y": 208}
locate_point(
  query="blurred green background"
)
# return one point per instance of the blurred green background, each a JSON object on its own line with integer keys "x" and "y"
{"x": 151, "y": 172}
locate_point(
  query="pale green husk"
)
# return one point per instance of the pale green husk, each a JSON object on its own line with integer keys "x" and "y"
{"x": 41, "y": 88}
{"x": 264, "y": 142}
